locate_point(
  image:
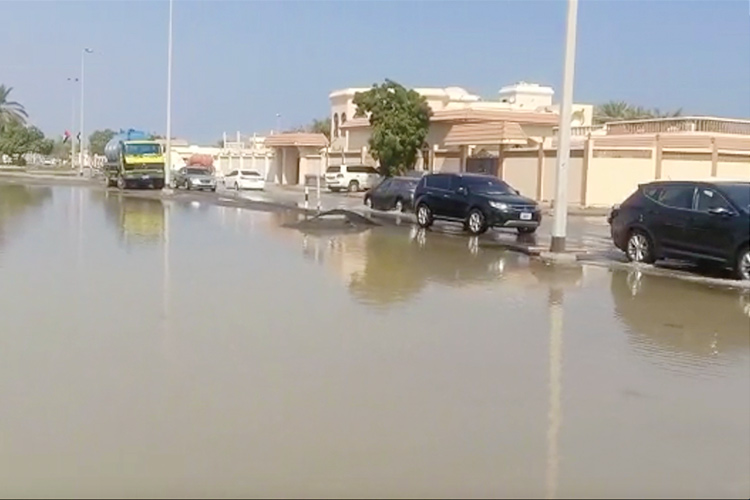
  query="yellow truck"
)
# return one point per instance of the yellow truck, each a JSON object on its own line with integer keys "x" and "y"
{"x": 134, "y": 160}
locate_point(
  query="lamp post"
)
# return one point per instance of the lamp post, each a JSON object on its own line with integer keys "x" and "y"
{"x": 83, "y": 135}
{"x": 278, "y": 123}
{"x": 73, "y": 123}
{"x": 563, "y": 140}
{"x": 168, "y": 146}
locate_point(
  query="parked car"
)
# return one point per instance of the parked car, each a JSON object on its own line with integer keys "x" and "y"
{"x": 478, "y": 201}
{"x": 394, "y": 193}
{"x": 351, "y": 177}
{"x": 701, "y": 222}
{"x": 244, "y": 179}
{"x": 194, "y": 178}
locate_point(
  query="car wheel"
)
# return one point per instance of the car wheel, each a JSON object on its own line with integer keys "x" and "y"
{"x": 121, "y": 184}
{"x": 424, "y": 215}
{"x": 399, "y": 206}
{"x": 639, "y": 248}
{"x": 368, "y": 202}
{"x": 353, "y": 187}
{"x": 526, "y": 230}
{"x": 476, "y": 222}
{"x": 742, "y": 266}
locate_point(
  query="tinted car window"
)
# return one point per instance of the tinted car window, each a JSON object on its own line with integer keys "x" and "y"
{"x": 487, "y": 185}
{"x": 439, "y": 182}
{"x": 652, "y": 192}
{"x": 384, "y": 185}
{"x": 333, "y": 170}
{"x": 677, "y": 196}
{"x": 739, "y": 194}
{"x": 708, "y": 199}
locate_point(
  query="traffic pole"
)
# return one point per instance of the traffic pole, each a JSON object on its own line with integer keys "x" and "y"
{"x": 560, "y": 206}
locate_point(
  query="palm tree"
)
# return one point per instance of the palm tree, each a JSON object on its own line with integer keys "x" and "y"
{"x": 10, "y": 111}
{"x": 614, "y": 111}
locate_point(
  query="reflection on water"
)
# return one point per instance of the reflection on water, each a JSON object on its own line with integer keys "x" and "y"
{"x": 680, "y": 325}
{"x": 16, "y": 200}
{"x": 239, "y": 358}
{"x": 138, "y": 220}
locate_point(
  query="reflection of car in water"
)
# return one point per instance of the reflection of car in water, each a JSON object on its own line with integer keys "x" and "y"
{"x": 398, "y": 266}
{"x": 138, "y": 219}
{"x": 680, "y": 318}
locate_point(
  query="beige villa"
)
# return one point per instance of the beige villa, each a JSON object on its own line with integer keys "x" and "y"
{"x": 514, "y": 137}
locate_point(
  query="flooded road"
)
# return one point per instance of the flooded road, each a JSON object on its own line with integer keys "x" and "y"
{"x": 157, "y": 349}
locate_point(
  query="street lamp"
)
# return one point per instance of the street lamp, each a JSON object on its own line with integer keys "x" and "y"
{"x": 168, "y": 146}
{"x": 563, "y": 139}
{"x": 83, "y": 135}
{"x": 278, "y": 123}
{"x": 73, "y": 123}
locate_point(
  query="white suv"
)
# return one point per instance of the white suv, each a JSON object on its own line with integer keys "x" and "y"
{"x": 351, "y": 177}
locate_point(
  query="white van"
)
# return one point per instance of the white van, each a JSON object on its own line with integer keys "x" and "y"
{"x": 351, "y": 177}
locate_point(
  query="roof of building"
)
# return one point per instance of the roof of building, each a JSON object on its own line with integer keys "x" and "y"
{"x": 468, "y": 115}
{"x": 296, "y": 139}
{"x": 485, "y": 133}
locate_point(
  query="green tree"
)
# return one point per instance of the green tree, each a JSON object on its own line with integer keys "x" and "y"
{"x": 320, "y": 127}
{"x": 10, "y": 111}
{"x": 400, "y": 120}
{"x": 61, "y": 150}
{"x": 16, "y": 140}
{"x": 99, "y": 139}
{"x": 613, "y": 111}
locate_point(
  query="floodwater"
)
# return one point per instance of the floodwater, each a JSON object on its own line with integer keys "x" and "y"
{"x": 156, "y": 349}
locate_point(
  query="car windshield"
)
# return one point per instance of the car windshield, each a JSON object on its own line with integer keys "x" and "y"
{"x": 333, "y": 170}
{"x": 142, "y": 149}
{"x": 487, "y": 185}
{"x": 250, "y": 173}
{"x": 739, "y": 194}
{"x": 197, "y": 171}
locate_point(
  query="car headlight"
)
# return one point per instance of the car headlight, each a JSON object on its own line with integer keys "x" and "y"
{"x": 499, "y": 205}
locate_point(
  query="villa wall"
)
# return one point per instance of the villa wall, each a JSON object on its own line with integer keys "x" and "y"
{"x": 602, "y": 174}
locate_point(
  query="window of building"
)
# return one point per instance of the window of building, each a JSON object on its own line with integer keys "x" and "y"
{"x": 335, "y": 125}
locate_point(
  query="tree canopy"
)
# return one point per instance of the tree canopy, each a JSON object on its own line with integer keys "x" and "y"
{"x": 619, "y": 110}
{"x": 320, "y": 127}
{"x": 400, "y": 121}
{"x": 16, "y": 140}
{"x": 98, "y": 139}
{"x": 10, "y": 111}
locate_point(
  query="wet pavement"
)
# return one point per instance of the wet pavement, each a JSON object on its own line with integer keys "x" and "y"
{"x": 161, "y": 349}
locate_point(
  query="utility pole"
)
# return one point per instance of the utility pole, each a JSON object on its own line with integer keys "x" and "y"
{"x": 83, "y": 134}
{"x": 168, "y": 152}
{"x": 563, "y": 138}
{"x": 73, "y": 139}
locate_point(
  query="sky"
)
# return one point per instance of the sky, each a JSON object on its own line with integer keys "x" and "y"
{"x": 237, "y": 64}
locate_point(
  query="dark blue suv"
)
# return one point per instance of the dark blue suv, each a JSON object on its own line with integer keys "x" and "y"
{"x": 703, "y": 222}
{"x": 479, "y": 202}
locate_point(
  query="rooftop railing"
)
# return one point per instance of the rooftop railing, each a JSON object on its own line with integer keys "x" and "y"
{"x": 680, "y": 124}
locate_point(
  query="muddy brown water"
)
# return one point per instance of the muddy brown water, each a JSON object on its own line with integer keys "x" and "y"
{"x": 153, "y": 349}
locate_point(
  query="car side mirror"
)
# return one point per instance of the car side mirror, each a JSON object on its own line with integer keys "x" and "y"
{"x": 724, "y": 212}
{"x": 462, "y": 191}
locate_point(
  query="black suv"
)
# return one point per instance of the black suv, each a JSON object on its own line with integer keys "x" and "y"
{"x": 703, "y": 222}
{"x": 477, "y": 201}
{"x": 394, "y": 193}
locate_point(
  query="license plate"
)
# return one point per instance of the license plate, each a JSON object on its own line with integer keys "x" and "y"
{"x": 525, "y": 216}
{"x": 144, "y": 177}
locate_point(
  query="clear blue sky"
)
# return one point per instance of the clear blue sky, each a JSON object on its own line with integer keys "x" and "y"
{"x": 237, "y": 64}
